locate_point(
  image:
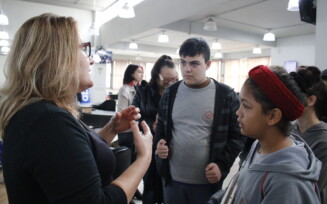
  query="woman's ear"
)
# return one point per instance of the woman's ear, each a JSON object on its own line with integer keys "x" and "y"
{"x": 274, "y": 116}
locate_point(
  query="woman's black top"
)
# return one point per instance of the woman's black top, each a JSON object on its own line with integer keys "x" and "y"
{"x": 51, "y": 157}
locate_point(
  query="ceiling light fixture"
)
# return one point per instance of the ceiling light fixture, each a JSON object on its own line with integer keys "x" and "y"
{"x": 4, "y": 43}
{"x": 127, "y": 11}
{"x": 3, "y": 18}
{"x": 3, "y": 34}
{"x": 5, "y": 50}
{"x": 218, "y": 55}
{"x": 256, "y": 50}
{"x": 163, "y": 37}
{"x": 133, "y": 45}
{"x": 269, "y": 36}
{"x": 210, "y": 25}
{"x": 216, "y": 45}
{"x": 138, "y": 58}
{"x": 293, "y": 5}
{"x": 112, "y": 11}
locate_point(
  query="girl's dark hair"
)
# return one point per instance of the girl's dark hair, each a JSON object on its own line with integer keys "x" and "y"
{"x": 164, "y": 60}
{"x": 311, "y": 84}
{"x": 128, "y": 75}
{"x": 284, "y": 125}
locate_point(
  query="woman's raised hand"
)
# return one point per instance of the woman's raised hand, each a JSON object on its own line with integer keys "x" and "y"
{"x": 121, "y": 121}
{"x": 143, "y": 141}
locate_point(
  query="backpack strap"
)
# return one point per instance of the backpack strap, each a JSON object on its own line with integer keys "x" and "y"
{"x": 262, "y": 186}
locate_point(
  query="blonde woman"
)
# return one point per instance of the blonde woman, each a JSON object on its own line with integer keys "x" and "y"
{"x": 49, "y": 155}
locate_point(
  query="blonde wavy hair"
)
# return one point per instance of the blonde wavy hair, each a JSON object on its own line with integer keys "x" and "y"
{"x": 42, "y": 65}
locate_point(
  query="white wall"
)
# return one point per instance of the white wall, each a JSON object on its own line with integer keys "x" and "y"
{"x": 20, "y": 11}
{"x": 300, "y": 49}
{"x": 247, "y": 54}
{"x": 321, "y": 33}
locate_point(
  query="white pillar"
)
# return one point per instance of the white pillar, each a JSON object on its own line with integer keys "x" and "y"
{"x": 98, "y": 76}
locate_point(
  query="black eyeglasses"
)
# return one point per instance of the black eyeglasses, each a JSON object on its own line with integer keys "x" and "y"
{"x": 168, "y": 80}
{"x": 86, "y": 47}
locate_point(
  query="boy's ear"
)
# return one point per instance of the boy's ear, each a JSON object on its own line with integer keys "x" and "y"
{"x": 274, "y": 116}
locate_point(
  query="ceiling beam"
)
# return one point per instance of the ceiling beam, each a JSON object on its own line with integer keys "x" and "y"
{"x": 142, "y": 47}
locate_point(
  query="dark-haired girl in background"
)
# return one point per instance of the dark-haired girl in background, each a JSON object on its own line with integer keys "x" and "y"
{"x": 310, "y": 125}
{"x": 132, "y": 77}
{"x": 147, "y": 99}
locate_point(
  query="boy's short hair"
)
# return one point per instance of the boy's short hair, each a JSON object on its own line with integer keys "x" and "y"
{"x": 195, "y": 46}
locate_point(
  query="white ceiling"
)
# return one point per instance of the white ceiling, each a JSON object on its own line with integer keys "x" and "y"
{"x": 241, "y": 24}
{"x": 80, "y": 4}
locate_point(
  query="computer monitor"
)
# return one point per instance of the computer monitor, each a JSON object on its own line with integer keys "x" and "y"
{"x": 113, "y": 96}
{"x": 290, "y": 66}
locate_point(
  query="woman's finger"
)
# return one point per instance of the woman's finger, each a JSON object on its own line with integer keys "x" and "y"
{"x": 135, "y": 128}
{"x": 145, "y": 127}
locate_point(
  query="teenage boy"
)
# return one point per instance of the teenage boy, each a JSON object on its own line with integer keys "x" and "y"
{"x": 197, "y": 136}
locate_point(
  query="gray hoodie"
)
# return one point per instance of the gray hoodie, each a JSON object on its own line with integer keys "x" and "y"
{"x": 316, "y": 138}
{"x": 286, "y": 176}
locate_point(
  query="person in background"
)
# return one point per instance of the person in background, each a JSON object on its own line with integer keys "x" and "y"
{"x": 197, "y": 135}
{"x": 147, "y": 99}
{"x": 132, "y": 77}
{"x": 49, "y": 155}
{"x": 310, "y": 125}
{"x": 278, "y": 169}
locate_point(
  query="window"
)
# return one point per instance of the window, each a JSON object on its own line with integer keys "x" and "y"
{"x": 236, "y": 71}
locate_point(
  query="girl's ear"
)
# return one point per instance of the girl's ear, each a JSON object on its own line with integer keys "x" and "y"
{"x": 312, "y": 100}
{"x": 274, "y": 116}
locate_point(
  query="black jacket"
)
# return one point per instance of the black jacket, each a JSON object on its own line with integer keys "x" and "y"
{"x": 226, "y": 140}
{"x": 147, "y": 99}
